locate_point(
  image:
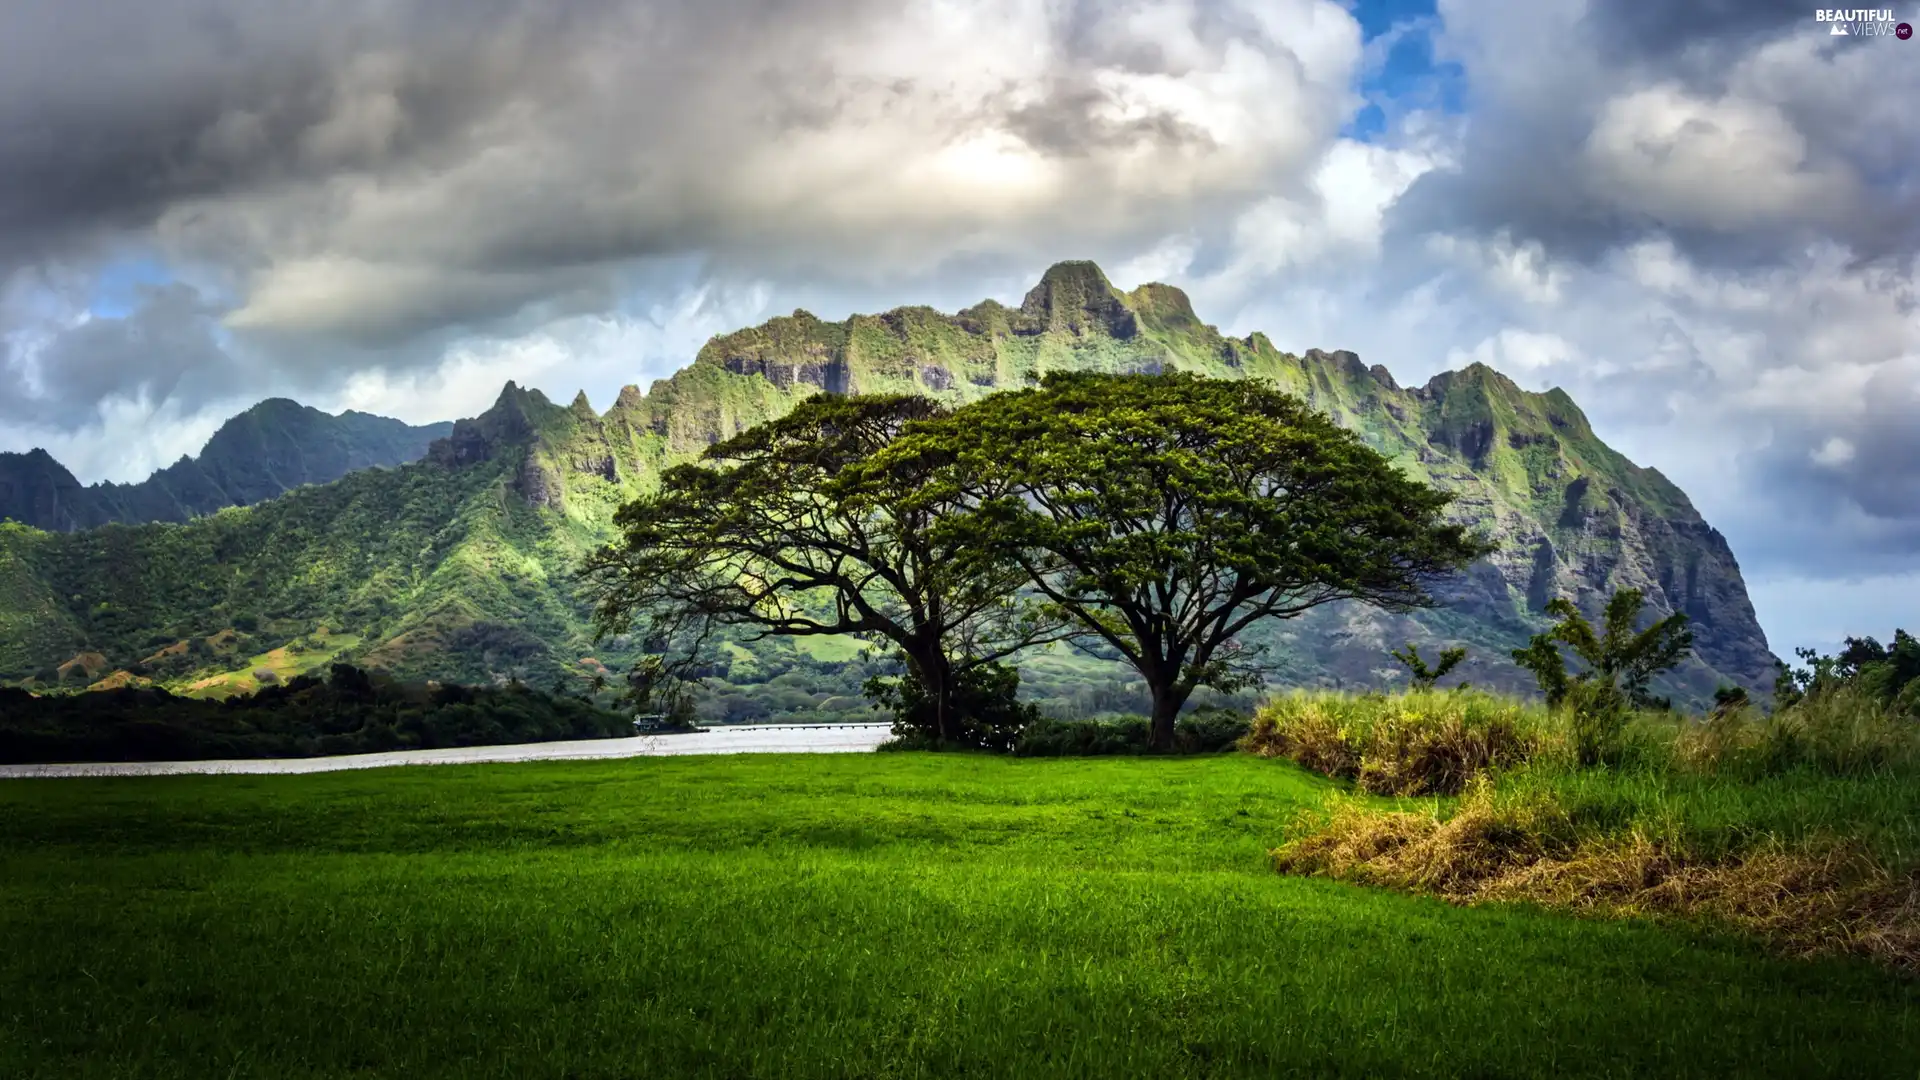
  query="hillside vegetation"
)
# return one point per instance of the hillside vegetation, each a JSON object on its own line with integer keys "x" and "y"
{"x": 461, "y": 566}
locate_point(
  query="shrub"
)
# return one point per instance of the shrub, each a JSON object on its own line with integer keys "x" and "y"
{"x": 1210, "y": 730}
{"x": 1595, "y": 715}
{"x": 1616, "y": 655}
{"x": 1050, "y": 737}
{"x": 1425, "y": 677}
{"x": 1418, "y": 743}
{"x": 986, "y": 696}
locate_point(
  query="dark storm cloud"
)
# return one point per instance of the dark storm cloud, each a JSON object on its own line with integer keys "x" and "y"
{"x": 1631, "y": 31}
{"x": 367, "y": 184}
{"x": 110, "y": 111}
{"x": 111, "y": 114}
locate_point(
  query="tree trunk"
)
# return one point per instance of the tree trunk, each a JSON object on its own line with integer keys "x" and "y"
{"x": 1167, "y": 701}
{"x": 936, "y": 678}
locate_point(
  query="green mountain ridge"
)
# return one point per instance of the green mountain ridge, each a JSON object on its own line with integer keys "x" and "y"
{"x": 459, "y": 566}
{"x": 267, "y": 450}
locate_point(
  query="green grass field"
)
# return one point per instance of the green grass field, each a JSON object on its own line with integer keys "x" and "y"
{"x": 831, "y": 916}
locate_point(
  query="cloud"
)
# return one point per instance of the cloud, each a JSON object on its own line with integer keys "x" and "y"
{"x": 1742, "y": 138}
{"x": 167, "y": 346}
{"x": 389, "y": 170}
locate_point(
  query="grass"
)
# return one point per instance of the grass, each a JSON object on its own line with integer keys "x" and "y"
{"x": 889, "y": 915}
{"x": 1802, "y": 827}
{"x": 285, "y": 662}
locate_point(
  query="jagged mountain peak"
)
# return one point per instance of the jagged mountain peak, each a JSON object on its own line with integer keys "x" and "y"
{"x": 1076, "y": 297}
{"x": 1163, "y": 305}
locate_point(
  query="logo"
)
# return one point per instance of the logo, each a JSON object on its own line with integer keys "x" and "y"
{"x": 1903, "y": 31}
{"x": 1861, "y": 22}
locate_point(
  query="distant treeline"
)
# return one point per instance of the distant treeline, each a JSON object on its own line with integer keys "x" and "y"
{"x": 349, "y": 711}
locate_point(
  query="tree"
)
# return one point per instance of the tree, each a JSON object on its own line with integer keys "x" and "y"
{"x": 1890, "y": 674}
{"x": 783, "y": 530}
{"x": 1423, "y": 676}
{"x": 1163, "y": 515}
{"x": 1617, "y": 656}
{"x": 1621, "y": 664}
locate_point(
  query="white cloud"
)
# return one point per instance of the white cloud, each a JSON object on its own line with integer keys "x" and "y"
{"x": 1835, "y": 451}
{"x": 1517, "y": 352}
{"x": 1521, "y": 270}
{"x": 1723, "y": 164}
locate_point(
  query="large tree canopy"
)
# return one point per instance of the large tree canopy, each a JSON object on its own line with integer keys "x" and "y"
{"x": 778, "y": 530}
{"x": 1165, "y": 514}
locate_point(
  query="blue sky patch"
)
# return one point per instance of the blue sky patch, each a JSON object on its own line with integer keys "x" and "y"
{"x": 1407, "y": 78}
{"x": 116, "y": 292}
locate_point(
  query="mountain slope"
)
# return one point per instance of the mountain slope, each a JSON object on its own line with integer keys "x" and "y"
{"x": 460, "y": 565}
{"x": 269, "y": 449}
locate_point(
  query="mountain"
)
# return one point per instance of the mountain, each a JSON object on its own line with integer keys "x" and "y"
{"x": 270, "y": 449}
{"x": 459, "y": 565}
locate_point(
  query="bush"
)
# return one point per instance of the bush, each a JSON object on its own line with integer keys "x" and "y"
{"x": 1419, "y": 743}
{"x": 1596, "y": 714}
{"x": 1050, "y": 737}
{"x": 351, "y": 711}
{"x": 1206, "y": 730}
{"x": 1210, "y": 730}
{"x": 986, "y": 703}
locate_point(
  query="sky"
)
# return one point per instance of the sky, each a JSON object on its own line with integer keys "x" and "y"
{"x": 1701, "y": 219}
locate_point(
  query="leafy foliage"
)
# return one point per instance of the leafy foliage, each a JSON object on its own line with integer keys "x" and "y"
{"x": 1205, "y": 730}
{"x": 790, "y": 511}
{"x": 1164, "y": 515}
{"x": 985, "y": 709}
{"x": 1425, "y": 677}
{"x": 1887, "y": 674}
{"x": 1621, "y": 663}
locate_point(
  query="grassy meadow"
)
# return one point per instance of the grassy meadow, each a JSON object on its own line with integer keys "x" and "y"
{"x": 904, "y": 914}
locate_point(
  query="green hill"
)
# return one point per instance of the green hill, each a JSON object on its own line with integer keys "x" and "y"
{"x": 458, "y": 566}
{"x": 270, "y": 449}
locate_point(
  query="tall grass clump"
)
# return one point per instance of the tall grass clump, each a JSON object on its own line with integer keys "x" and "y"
{"x": 1845, "y": 731}
{"x": 1422, "y": 742}
{"x": 1534, "y": 845}
{"x": 1800, "y": 823}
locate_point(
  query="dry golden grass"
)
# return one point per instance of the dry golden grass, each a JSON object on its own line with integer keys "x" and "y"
{"x": 1827, "y": 898}
{"x": 1419, "y": 743}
